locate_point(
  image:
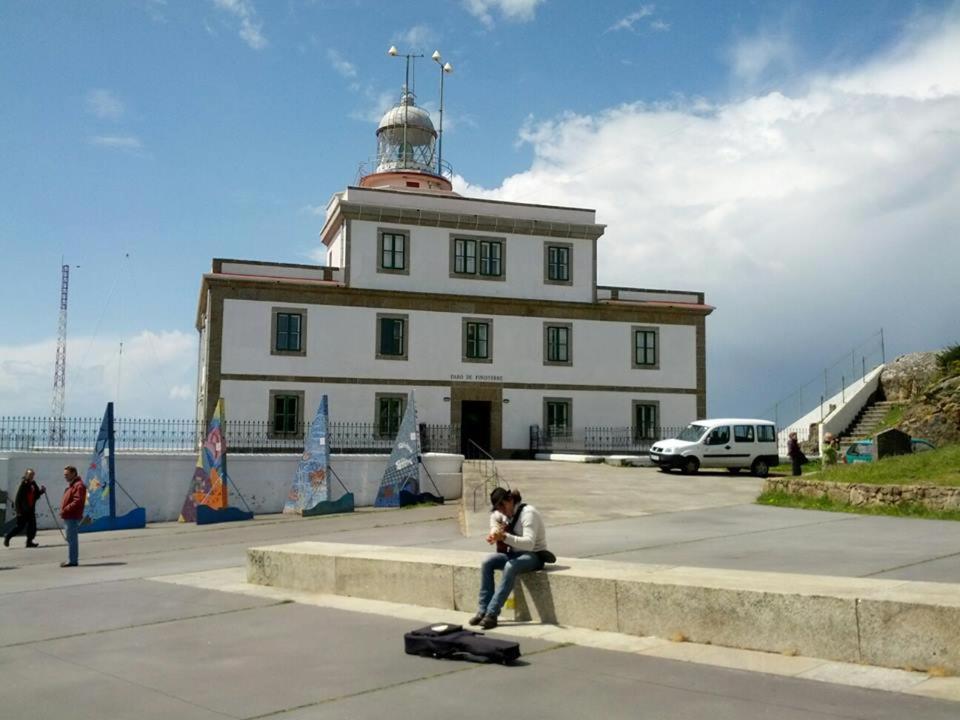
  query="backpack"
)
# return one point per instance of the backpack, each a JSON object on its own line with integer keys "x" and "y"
{"x": 447, "y": 641}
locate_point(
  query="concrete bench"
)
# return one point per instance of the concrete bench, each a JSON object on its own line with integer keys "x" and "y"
{"x": 890, "y": 623}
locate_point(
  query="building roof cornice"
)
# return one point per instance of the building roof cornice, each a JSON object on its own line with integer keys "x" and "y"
{"x": 321, "y": 292}
{"x": 379, "y": 205}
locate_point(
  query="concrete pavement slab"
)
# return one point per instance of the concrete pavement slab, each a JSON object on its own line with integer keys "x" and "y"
{"x": 576, "y": 682}
{"x": 44, "y": 614}
{"x": 34, "y": 684}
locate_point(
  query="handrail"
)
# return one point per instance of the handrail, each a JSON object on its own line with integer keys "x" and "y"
{"x": 488, "y": 471}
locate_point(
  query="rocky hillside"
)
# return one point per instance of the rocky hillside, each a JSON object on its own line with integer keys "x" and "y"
{"x": 928, "y": 384}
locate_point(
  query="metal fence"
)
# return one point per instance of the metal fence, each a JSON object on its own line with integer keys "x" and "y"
{"x": 599, "y": 440}
{"x": 39, "y": 434}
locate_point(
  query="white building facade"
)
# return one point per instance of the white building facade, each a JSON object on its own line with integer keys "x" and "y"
{"x": 489, "y": 310}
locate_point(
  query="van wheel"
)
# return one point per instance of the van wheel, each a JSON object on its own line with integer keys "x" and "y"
{"x": 761, "y": 468}
{"x": 665, "y": 468}
{"x": 734, "y": 471}
{"x": 690, "y": 466}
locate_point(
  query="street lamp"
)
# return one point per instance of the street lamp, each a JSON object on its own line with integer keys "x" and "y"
{"x": 445, "y": 69}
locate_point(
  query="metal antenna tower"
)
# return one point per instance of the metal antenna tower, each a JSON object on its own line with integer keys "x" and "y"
{"x": 60, "y": 368}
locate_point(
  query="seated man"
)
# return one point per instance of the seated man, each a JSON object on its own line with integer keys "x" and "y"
{"x": 519, "y": 542}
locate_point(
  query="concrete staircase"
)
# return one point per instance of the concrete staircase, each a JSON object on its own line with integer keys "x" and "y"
{"x": 867, "y": 421}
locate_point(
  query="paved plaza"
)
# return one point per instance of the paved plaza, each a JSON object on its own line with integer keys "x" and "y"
{"x": 111, "y": 640}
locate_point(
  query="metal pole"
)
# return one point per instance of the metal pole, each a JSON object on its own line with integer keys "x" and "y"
{"x": 863, "y": 368}
{"x": 440, "y": 133}
{"x": 843, "y": 389}
{"x": 826, "y": 390}
{"x": 406, "y": 104}
{"x": 883, "y": 351}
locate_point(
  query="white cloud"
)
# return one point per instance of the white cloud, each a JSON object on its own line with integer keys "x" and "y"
{"x": 753, "y": 58}
{"x": 377, "y": 104}
{"x": 155, "y": 375}
{"x": 629, "y": 21}
{"x": 155, "y": 8}
{"x": 659, "y": 26}
{"x": 419, "y": 37}
{"x": 344, "y": 67}
{"x": 512, "y": 10}
{"x": 118, "y": 142}
{"x": 104, "y": 104}
{"x": 809, "y": 219}
{"x": 251, "y": 31}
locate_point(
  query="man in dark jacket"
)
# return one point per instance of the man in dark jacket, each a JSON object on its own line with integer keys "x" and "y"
{"x": 26, "y": 506}
{"x": 71, "y": 510}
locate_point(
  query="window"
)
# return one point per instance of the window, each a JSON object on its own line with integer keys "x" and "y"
{"x": 719, "y": 436}
{"x": 557, "y": 416}
{"x": 557, "y": 262}
{"x": 766, "y": 433}
{"x": 743, "y": 433}
{"x": 477, "y": 340}
{"x": 557, "y": 344}
{"x": 389, "y": 413}
{"x": 645, "y": 420}
{"x": 288, "y": 331}
{"x": 481, "y": 258}
{"x": 645, "y": 354}
{"x": 286, "y": 413}
{"x": 391, "y": 337}
{"x": 465, "y": 259}
{"x": 491, "y": 255}
{"x": 393, "y": 249}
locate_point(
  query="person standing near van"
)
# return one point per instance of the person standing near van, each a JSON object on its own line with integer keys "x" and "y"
{"x": 831, "y": 450}
{"x": 71, "y": 510}
{"x": 26, "y": 506}
{"x": 797, "y": 458}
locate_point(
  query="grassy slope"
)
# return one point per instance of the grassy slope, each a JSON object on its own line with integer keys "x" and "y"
{"x": 934, "y": 467}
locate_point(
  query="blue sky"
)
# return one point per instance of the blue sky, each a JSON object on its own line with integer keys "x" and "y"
{"x": 796, "y": 161}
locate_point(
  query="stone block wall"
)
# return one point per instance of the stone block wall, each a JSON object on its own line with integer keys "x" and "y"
{"x": 858, "y": 494}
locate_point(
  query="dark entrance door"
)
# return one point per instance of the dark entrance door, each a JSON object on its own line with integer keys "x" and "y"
{"x": 474, "y": 425}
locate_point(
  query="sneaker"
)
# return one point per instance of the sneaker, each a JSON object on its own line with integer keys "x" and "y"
{"x": 476, "y": 619}
{"x": 32, "y": 544}
{"x": 489, "y": 622}
{"x": 68, "y": 564}
{"x": 6, "y": 542}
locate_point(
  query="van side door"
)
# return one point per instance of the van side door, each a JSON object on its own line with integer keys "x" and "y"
{"x": 745, "y": 447}
{"x": 717, "y": 447}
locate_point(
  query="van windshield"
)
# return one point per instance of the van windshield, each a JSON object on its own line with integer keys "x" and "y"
{"x": 692, "y": 432}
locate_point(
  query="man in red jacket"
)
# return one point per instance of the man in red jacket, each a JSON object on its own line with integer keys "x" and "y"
{"x": 71, "y": 510}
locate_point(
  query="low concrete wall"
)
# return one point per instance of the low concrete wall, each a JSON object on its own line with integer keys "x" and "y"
{"x": 159, "y": 482}
{"x": 931, "y": 496}
{"x": 880, "y": 622}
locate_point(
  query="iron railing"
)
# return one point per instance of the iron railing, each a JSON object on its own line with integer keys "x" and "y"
{"x": 39, "y": 434}
{"x": 487, "y": 468}
{"x": 598, "y": 440}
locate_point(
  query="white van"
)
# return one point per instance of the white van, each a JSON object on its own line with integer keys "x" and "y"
{"x": 732, "y": 443}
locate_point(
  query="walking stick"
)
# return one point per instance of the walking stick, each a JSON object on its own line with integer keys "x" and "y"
{"x": 54, "y": 516}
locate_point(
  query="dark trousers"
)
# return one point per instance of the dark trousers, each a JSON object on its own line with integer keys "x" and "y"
{"x": 24, "y": 522}
{"x": 796, "y": 462}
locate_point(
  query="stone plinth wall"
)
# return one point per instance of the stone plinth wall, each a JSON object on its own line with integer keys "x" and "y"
{"x": 892, "y": 623}
{"x": 931, "y": 496}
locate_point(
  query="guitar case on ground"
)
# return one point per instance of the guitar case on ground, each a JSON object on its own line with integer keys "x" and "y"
{"x": 452, "y": 641}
